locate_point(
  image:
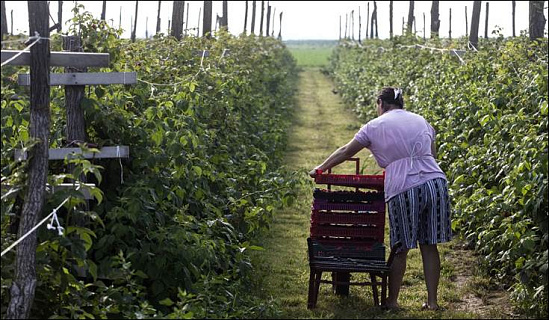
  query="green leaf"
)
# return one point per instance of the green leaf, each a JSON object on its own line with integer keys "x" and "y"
{"x": 197, "y": 170}
{"x": 166, "y": 302}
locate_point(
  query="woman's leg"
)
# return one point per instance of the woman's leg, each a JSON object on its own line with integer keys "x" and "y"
{"x": 431, "y": 270}
{"x": 395, "y": 277}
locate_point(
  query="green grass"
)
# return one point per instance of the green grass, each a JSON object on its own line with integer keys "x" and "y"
{"x": 307, "y": 56}
{"x": 321, "y": 124}
{"x": 311, "y": 53}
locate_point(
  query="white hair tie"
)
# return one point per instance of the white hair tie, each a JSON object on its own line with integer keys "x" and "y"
{"x": 397, "y": 92}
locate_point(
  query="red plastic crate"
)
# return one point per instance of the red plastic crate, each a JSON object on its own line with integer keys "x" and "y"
{"x": 352, "y": 180}
{"x": 371, "y": 232}
{"x": 320, "y": 217}
{"x": 320, "y": 204}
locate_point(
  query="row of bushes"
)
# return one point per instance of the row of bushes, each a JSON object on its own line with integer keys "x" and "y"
{"x": 170, "y": 233}
{"x": 490, "y": 114}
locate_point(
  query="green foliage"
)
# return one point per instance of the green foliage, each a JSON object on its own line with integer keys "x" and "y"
{"x": 490, "y": 114}
{"x": 171, "y": 230}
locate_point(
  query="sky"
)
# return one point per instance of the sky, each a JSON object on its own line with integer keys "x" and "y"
{"x": 301, "y": 20}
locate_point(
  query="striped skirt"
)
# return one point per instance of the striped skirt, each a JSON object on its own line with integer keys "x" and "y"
{"x": 421, "y": 214}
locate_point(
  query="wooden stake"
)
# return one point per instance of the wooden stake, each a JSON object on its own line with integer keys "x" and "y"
{"x": 158, "y": 18}
{"x": 375, "y": 15}
{"x": 486, "y": 23}
{"x": 24, "y": 282}
{"x": 225, "y": 18}
{"x": 353, "y": 25}
{"x": 177, "y": 19}
{"x": 280, "y": 27}
{"x": 268, "y": 26}
{"x": 103, "y": 11}
{"x": 475, "y": 19}
{"x": 466, "y": 23}
{"x": 367, "y": 18}
{"x": 423, "y": 25}
{"x": 187, "y": 20}
{"x": 410, "y": 17}
{"x": 207, "y": 20}
{"x": 245, "y": 17}
{"x": 514, "y": 4}
{"x": 450, "y": 25}
{"x": 252, "y": 27}
{"x": 262, "y": 14}
{"x": 4, "y": 19}
{"x": 536, "y": 20}
{"x": 390, "y": 19}
{"x": 435, "y": 21}
{"x": 359, "y": 25}
{"x": 59, "y": 17}
{"x": 135, "y": 22}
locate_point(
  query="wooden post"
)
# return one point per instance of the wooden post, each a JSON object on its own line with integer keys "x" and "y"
{"x": 353, "y": 25}
{"x": 120, "y": 19}
{"x": 450, "y": 25}
{"x": 245, "y": 17}
{"x": 268, "y": 27}
{"x": 158, "y": 18}
{"x": 359, "y": 25}
{"x": 4, "y": 20}
{"x": 225, "y": 18}
{"x": 177, "y": 19}
{"x": 339, "y": 27}
{"x": 280, "y": 27}
{"x": 169, "y": 26}
{"x": 346, "y": 20}
{"x": 24, "y": 282}
{"x": 59, "y": 17}
{"x": 466, "y": 23}
{"x": 207, "y": 20}
{"x": 402, "y": 25}
{"x": 103, "y": 11}
{"x": 11, "y": 29}
{"x": 76, "y": 126}
{"x": 475, "y": 19}
{"x": 147, "y": 27}
{"x": 187, "y": 20}
{"x": 252, "y": 27}
{"x": 273, "y": 29}
{"x": 410, "y": 17}
{"x": 375, "y": 15}
{"x": 372, "y": 22}
{"x": 367, "y": 18}
{"x": 435, "y": 21}
{"x": 135, "y": 22}
{"x": 536, "y": 20}
{"x": 514, "y": 4}
{"x": 390, "y": 19}
{"x": 262, "y": 14}
{"x": 423, "y": 25}
{"x": 486, "y": 23}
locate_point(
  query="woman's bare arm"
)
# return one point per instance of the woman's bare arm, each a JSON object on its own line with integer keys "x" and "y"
{"x": 341, "y": 154}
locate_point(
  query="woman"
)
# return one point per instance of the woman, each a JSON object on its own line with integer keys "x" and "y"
{"x": 416, "y": 190}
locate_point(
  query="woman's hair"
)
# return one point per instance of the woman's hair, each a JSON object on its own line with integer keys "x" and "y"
{"x": 391, "y": 96}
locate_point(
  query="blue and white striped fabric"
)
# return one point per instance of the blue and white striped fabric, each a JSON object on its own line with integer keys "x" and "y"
{"x": 421, "y": 214}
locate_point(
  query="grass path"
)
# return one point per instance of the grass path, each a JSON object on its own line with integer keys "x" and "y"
{"x": 321, "y": 124}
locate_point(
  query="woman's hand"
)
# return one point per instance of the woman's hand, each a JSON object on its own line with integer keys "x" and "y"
{"x": 313, "y": 173}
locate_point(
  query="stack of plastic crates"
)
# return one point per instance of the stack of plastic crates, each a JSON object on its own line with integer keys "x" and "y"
{"x": 346, "y": 225}
{"x": 355, "y": 218}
